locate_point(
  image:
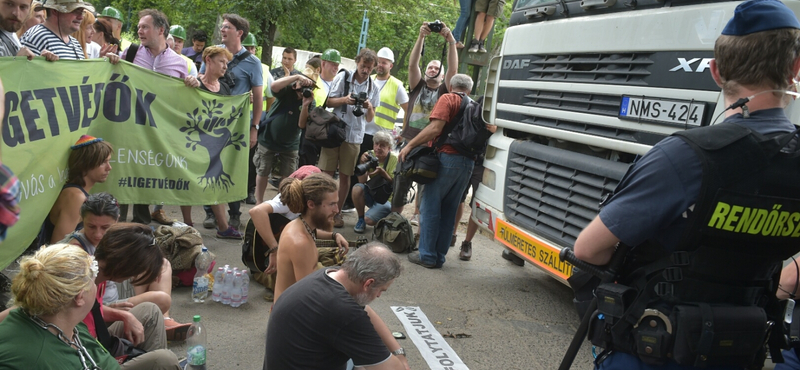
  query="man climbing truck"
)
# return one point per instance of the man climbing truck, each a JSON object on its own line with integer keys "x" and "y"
{"x": 580, "y": 90}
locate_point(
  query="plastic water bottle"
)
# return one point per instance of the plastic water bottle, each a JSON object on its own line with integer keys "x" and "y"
{"x": 236, "y": 292}
{"x": 227, "y": 287}
{"x": 219, "y": 276}
{"x": 245, "y": 285}
{"x": 200, "y": 284}
{"x": 196, "y": 345}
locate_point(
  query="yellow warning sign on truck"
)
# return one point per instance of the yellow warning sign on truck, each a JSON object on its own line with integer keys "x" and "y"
{"x": 538, "y": 252}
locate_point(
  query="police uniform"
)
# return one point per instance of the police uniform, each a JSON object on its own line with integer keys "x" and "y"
{"x": 711, "y": 212}
{"x": 662, "y": 189}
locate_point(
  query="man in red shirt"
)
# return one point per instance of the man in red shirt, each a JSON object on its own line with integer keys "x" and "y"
{"x": 442, "y": 196}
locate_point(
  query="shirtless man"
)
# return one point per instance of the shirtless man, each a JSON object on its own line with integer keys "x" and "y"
{"x": 315, "y": 198}
{"x": 87, "y": 165}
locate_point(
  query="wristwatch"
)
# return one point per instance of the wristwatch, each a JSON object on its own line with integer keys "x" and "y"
{"x": 399, "y": 352}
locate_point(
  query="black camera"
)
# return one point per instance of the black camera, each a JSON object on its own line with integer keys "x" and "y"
{"x": 360, "y": 98}
{"x": 369, "y": 165}
{"x": 307, "y": 92}
{"x": 436, "y": 26}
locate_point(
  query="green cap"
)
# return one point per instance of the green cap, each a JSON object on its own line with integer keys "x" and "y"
{"x": 196, "y": 318}
{"x": 332, "y": 55}
{"x": 250, "y": 40}
{"x": 178, "y": 31}
{"x": 112, "y": 12}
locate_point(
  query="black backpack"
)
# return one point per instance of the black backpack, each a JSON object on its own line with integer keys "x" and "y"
{"x": 469, "y": 135}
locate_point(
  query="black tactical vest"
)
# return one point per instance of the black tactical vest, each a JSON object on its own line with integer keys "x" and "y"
{"x": 712, "y": 301}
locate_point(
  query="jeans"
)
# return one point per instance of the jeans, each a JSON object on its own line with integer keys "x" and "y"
{"x": 438, "y": 207}
{"x": 463, "y": 19}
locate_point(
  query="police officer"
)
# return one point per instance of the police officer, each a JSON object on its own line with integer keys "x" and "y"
{"x": 709, "y": 213}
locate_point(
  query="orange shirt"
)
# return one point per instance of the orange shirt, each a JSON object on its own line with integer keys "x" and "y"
{"x": 445, "y": 109}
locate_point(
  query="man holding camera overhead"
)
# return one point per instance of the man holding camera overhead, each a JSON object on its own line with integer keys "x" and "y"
{"x": 294, "y": 99}
{"x": 353, "y": 101}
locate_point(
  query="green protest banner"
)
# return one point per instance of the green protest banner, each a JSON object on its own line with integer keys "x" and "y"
{"x": 173, "y": 144}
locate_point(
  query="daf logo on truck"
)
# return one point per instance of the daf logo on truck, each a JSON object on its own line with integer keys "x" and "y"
{"x": 516, "y": 64}
{"x": 686, "y": 65}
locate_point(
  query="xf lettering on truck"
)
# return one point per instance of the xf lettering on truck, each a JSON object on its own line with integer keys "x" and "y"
{"x": 686, "y": 65}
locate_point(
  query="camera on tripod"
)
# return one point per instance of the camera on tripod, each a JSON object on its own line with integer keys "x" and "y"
{"x": 436, "y": 26}
{"x": 358, "y": 106}
{"x": 371, "y": 164}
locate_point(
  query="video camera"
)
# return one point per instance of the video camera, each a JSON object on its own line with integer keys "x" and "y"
{"x": 436, "y": 26}
{"x": 371, "y": 164}
{"x": 360, "y": 98}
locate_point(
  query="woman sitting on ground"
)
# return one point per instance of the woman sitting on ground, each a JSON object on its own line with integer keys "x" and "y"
{"x": 98, "y": 214}
{"x": 54, "y": 290}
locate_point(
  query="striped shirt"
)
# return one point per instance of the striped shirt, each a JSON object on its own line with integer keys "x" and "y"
{"x": 39, "y": 38}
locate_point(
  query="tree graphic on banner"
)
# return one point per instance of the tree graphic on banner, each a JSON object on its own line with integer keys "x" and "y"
{"x": 214, "y": 134}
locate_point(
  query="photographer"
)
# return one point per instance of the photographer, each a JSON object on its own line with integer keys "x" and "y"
{"x": 376, "y": 193}
{"x": 280, "y": 137}
{"x": 353, "y": 101}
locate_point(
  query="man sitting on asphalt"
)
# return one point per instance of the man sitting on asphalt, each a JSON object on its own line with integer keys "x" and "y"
{"x": 322, "y": 321}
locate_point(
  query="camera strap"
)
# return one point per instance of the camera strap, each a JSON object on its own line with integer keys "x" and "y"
{"x": 444, "y": 55}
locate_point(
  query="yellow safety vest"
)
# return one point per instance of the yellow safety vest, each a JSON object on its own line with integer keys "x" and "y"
{"x": 319, "y": 92}
{"x": 387, "y": 111}
{"x": 264, "y": 74}
{"x": 189, "y": 64}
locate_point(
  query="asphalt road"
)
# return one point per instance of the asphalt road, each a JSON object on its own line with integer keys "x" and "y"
{"x": 514, "y": 317}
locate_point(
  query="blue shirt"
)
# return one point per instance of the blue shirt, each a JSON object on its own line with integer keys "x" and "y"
{"x": 656, "y": 195}
{"x": 247, "y": 73}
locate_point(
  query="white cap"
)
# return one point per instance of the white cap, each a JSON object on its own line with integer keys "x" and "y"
{"x": 386, "y": 53}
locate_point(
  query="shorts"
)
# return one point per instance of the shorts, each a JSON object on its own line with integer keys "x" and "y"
{"x": 344, "y": 158}
{"x": 474, "y": 181}
{"x": 376, "y": 211}
{"x": 265, "y": 158}
{"x": 493, "y": 8}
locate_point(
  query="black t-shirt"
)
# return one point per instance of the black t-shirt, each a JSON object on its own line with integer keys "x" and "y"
{"x": 224, "y": 89}
{"x": 316, "y": 324}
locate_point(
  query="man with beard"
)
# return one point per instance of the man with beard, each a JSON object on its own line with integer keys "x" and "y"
{"x": 345, "y": 157}
{"x": 322, "y": 321}
{"x": 425, "y": 92}
{"x": 315, "y": 198}
{"x": 64, "y": 18}
{"x": 12, "y": 15}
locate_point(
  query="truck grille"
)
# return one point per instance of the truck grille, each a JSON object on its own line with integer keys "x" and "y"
{"x": 554, "y": 192}
{"x": 623, "y": 68}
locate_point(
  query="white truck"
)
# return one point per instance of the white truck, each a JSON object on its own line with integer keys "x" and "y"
{"x": 580, "y": 90}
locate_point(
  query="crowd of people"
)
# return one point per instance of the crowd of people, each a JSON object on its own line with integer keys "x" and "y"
{"x": 134, "y": 299}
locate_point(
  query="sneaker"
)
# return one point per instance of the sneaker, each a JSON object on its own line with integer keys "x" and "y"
{"x": 414, "y": 258}
{"x": 414, "y": 219}
{"x": 349, "y": 210}
{"x": 251, "y": 199}
{"x": 460, "y": 45}
{"x": 466, "y": 251}
{"x": 481, "y": 49}
{"x": 473, "y": 46}
{"x": 275, "y": 182}
{"x": 175, "y": 330}
{"x": 361, "y": 225}
{"x": 453, "y": 241}
{"x": 234, "y": 221}
{"x": 210, "y": 222}
{"x": 231, "y": 233}
{"x": 161, "y": 217}
{"x": 513, "y": 258}
{"x": 338, "y": 221}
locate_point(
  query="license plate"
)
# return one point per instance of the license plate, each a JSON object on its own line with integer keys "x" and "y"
{"x": 543, "y": 255}
{"x": 674, "y": 112}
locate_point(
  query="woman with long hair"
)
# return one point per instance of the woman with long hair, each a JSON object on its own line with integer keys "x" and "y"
{"x": 104, "y": 36}
{"x": 33, "y": 18}
{"x": 84, "y": 35}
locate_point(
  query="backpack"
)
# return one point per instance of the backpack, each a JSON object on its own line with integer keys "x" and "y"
{"x": 395, "y": 231}
{"x": 469, "y": 135}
